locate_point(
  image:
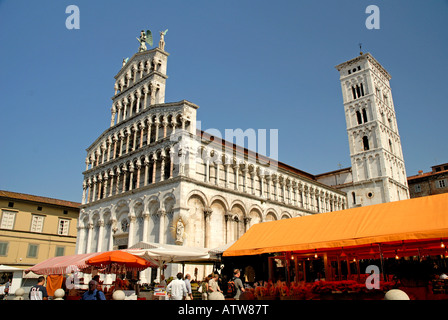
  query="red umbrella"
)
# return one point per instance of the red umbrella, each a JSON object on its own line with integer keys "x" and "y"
{"x": 119, "y": 258}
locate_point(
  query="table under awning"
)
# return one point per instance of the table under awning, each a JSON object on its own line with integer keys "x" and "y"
{"x": 413, "y": 224}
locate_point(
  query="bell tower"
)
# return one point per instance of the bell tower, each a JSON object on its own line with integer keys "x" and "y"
{"x": 378, "y": 168}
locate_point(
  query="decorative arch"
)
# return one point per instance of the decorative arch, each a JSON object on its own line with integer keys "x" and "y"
{"x": 198, "y": 194}
{"x": 241, "y": 204}
{"x": 271, "y": 215}
{"x": 219, "y": 198}
{"x": 286, "y": 215}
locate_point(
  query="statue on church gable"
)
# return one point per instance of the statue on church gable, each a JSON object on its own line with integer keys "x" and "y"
{"x": 145, "y": 37}
{"x": 162, "y": 39}
{"x": 124, "y": 62}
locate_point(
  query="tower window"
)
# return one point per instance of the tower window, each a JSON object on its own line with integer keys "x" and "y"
{"x": 358, "y": 91}
{"x": 390, "y": 146}
{"x": 364, "y": 114}
{"x": 365, "y": 142}
{"x": 358, "y": 116}
{"x": 354, "y": 197}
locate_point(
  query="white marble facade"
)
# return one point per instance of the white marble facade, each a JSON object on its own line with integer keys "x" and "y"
{"x": 152, "y": 176}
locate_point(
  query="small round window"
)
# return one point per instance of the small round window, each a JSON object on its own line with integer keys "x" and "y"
{"x": 370, "y": 195}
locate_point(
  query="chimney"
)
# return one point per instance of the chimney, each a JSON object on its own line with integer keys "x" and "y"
{"x": 420, "y": 172}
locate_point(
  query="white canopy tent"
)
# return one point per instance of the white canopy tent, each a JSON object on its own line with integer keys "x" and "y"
{"x": 16, "y": 278}
{"x": 162, "y": 254}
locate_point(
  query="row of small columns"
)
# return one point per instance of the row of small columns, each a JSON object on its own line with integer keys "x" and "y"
{"x": 231, "y": 221}
{"x": 93, "y": 187}
{"x": 309, "y": 201}
{"x": 119, "y": 109}
{"x": 104, "y": 152}
{"x": 149, "y": 66}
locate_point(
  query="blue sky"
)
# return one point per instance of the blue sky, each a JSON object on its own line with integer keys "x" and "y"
{"x": 246, "y": 63}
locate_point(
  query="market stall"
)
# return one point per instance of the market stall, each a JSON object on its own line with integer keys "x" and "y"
{"x": 120, "y": 263}
{"x": 73, "y": 272}
{"x": 337, "y": 246}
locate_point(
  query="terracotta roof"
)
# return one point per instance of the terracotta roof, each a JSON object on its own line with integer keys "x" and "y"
{"x": 44, "y": 200}
{"x": 427, "y": 174}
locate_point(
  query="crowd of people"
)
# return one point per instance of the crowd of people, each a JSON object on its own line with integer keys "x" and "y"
{"x": 180, "y": 288}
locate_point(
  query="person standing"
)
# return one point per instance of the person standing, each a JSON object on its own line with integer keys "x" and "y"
{"x": 176, "y": 289}
{"x": 38, "y": 292}
{"x": 204, "y": 286}
{"x": 188, "y": 286}
{"x": 238, "y": 284}
{"x": 93, "y": 293}
{"x": 213, "y": 285}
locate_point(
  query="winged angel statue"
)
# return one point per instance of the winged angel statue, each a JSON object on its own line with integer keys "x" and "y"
{"x": 145, "y": 37}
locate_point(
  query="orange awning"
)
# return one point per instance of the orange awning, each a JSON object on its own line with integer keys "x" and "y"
{"x": 118, "y": 257}
{"x": 415, "y": 219}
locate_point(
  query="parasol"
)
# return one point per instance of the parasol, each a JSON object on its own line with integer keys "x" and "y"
{"x": 110, "y": 261}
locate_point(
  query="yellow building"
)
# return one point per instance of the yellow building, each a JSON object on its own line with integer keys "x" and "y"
{"x": 33, "y": 228}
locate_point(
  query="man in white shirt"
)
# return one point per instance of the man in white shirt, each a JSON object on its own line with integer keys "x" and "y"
{"x": 188, "y": 285}
{"x": 177, "y": 289}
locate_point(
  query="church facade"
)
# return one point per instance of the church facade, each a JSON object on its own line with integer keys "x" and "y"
{"x": 153, "y": 176}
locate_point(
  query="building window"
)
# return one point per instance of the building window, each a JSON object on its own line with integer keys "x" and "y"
{"x": 60, "y": 251}
{"x": 63, "y": 227}
{"x": 365, "y": 143}
{"x": 358, "y": 116}
{"x": 32, "y": 250}
{"x": 364, "y": 114}
{"x": 8, "y": 218}
{"x": 39, "y": 208}
{"x": 418, "y": 188}
{"x": 358, "y": 91}
{"x": 354, "y": 197}
{"x": 37, "y": 223}
{"x": 10, "y": 204}
{"x": 441, "y": 183}
{"x": 3, "y": 249}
